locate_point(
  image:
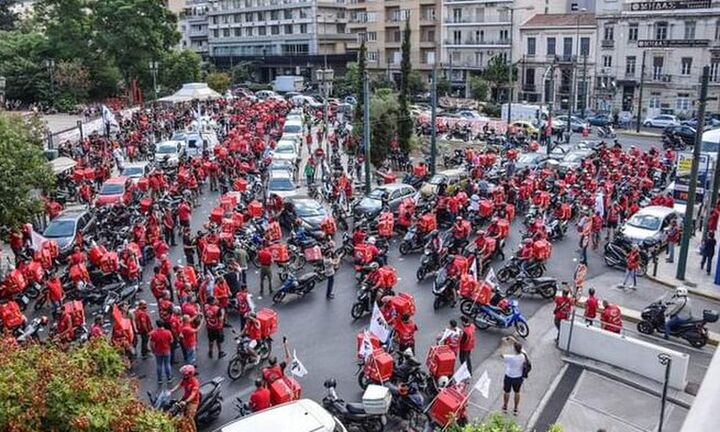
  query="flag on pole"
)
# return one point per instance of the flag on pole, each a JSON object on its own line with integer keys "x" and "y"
{"x": 365, "y": 346}
{"x": 491, "y": 279}
{"x": 483, "y": 384}
{"x": 378, "y": 325}
{"x": 476, "y": 267}
{"x": 296, "y": 367}
{"x": 461, "y": 374}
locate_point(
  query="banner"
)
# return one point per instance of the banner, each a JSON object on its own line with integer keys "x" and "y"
{"x": 365, "y": 346}
{"x": 296, "y": 367}
{"x": 483, "y": 385}
{"x": 461, "y": 374}
{"x": 491, "y": 279}
{"x": 379, "y": 326}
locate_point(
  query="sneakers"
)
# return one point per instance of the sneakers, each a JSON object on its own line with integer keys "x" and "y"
{"x": 210, "y": 354}
{"x": 221, "y": 354}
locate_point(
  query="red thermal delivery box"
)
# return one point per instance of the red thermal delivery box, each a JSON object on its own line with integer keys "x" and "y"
{"x": 387, "y": 277}
{"x": 268, "y": 319}
{"x": 485, "y": 208}
{"x": 238, "y": 220}
{"x": 284, "y": 390}
{"x": 440, "y": 361}
{"x": 110, "y": 263}
{"x": 313, "y": 254}
{"x": 374, "y": 342}
{"x": 227, "y": 203}
{"x": 427, "y": 223}
{"x": 462, "y": 263}
{"x": 52, "y": 246}
{"x": 379, "y": 366}
{"x": 274, "y": 233}
{"x": 279, "y": 253}
{"x": 403, "y": 304}
{"x": 190, "y": 275}
{"x": 541, "y": 250}
{"x": 76, "y": 310}
{"x": 216, "y": 215}
{"x": 143, "y": 184}
{"x": 468, "y": 286}
{"x": 255, "y": 209}
{"x": 363, "y": 255}
{"x": 448, "y": 406}
{"x": 146, "y": 205}
{"x": 96, "y": 254}
{"x": 211, "y": 254}
{"x": 11, "y": 315}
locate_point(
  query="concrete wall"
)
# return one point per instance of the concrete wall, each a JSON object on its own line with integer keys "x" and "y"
{"x": 624, "y": 352}
{"x": 703, "y": 413}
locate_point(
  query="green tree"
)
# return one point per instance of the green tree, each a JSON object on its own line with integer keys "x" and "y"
{"x": 218, "y": 81}
{"x": 72, "y": 80}
{"x": 7, "y": 15}
{"x": 495, "y": 422}
{"x": 404, "y": 121}
{"x": 178, "y": 68}
{"x": 443, "y": 86}
{"x": 384, "y": 109}
{"x": 478, "y": 88}
{"x": 347, "y": 84}
{"x": 416, "y": 83}
{"x": 23, "y": 170}
{"x": 21, "y": 56}
{"x": 68, "y": 27}
{"x": 496, "y": 74}
{"x": 243, "y": 72}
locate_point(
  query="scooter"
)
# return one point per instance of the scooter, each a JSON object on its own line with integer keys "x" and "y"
{"x": 444, "y": 289}
{"x": 556, "y": 229}
{"x": 429, "y": 264}
{"x": 412, "y": 241}
{"x": 352, "y": 415}
{"x": 490, "y": 316}
{"x": 693, "y": 331}
{"x": 616, "y": 251}
{"x": 546, "y": 287}
{"x": 210, "y": 402}
{"x": 606, "y": 132}
{"x": 294, "y": 285}
{"x": 243, "y": 360}
{"x": 408, "y": 406}
{"x": 514, "y": 268}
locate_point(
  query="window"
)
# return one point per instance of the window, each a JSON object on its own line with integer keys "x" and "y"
{"x": 372, "y": 56}
{"x": 303, "y": 28}
{"x": 248, "y": 31}
{"x": 530, "y": 77}
{"x": 457, "y": 15}
{"x": 214, "y": 20}
{"x": 504, "y": 15}
{"x": 237, "y": 18}
{"x": 216, "y": 33}
{"x": 238, "y": 32}
{"x": 226, "y": 32}
{"x": 685, "y": 65}
{"x": 567, "y": 47}
{"x": 682, "y": 103}
{"x": 633, "y": 32}
{"x": 274, "y": 30}
{"x": 658, "y": 63}
{"x": 585, "y": 46}
{"x": 457, "y": 37}
{"x": 717, "y": 30}
{"x": 504, "y": 35}
{"x": 371, "y": 17}
{"x": 551, "y": 46}
{"x": 288, "y": 29}
{"x": 689, "y": 30}
{"x": 288, "y": 14}
{"x": 715, "y": 69}
{"x": 607, "y": 61}
{"x": 262, "y": 31}
{"x": 654, "y": 100}
{"x": 531, "y": 46}
{"x": 371, "y": 36}
{"x": 630, "y": 63}
{"x": 274, "y": 15}
{"x": 248, "y": 17}
{"x": 661, "y": 31}
{"x": 609, "y": 33}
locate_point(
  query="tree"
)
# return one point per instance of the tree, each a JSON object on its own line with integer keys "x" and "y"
{"x": 416, "y": 83}
{"x": 495, "y": 422}
{"x": 443, "y": 86}
{"x": 68, "y": 27}
{"x": 218, "y": 81}
{"x": 243, "y": 72}
{"x": 347, "y": 84}
{"x": 72, "y": 80}
{"x": 23, "y": 170}
{"x": 21, "y": 56}
{"x": 405, "y": 128}
{"x": 478, "y": 88}
{"x": 7, "y": 15}
{"x": 178, "y": 68}
{"x": 85, "y": 389}
{"x": 496, "y": 74}
{"x": 384, "y": 110}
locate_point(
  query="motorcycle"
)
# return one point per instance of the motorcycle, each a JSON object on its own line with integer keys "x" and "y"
{"x": 429, "y": 263}
{"x": 352, "y": 415}
{"x": 412, "y": 241}
{"x": 243, "y": 359}
{"x": 363, "y": 304}
{"x": 616, "y": 251}
{"x": 294, "y": 285}
{"x": 31, "y": 332}
{"x": 408, "y": 370}
{"x": 606, "y": 132}
{"x": 121, "y": 293}
{"x": 514, "y": 268}
{"x": 487, "y": 316}
{"x": 347, "y": 249}
{"x": 693, "y": 331}
{"x": 340, "y": 216}
{"x": 408, "y": 406}
{"x": 208, "y": 410}
{"x": 556, "y": 229}
{"x": 444, "y": 289}
{"x": 546, "y": 287}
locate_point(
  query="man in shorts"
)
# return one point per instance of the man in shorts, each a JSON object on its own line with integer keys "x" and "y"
{"x": 514, "y": 376}
{"x": 214, "y": 318}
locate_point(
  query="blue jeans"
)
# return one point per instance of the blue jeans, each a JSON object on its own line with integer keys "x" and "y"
{"x": 331, "y": 281}
{"x": 162, "y": 363}
{"x": 189, "y": 355}
{"x": 630, "y": 273}
{"x": 670, "y": 323}
{"x": 671, "y": 252}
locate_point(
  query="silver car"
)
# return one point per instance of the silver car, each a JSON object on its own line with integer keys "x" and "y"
{"x": 650, "y": 223}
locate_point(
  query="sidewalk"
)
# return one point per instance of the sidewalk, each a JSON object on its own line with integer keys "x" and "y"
{"x": 631, "y": 132}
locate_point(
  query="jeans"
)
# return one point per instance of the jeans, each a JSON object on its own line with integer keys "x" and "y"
{"x": 331, "y": 281}
{"x": 706, "y": 259}
{"x": 670, "y": 323}
{"x": 583, "y": 255}
{"x": 265, "y": 273}
{"x": 243, "y": 277}
{"x": 144, "y": 344}
{"x": 173, "y": 348}
{"x": 630, "y": 273}
{"x": 466, "y": 357}
{"x": 189, "y": 355}
{"x": 671, "y": 252}
{"x": 169, "y": 235}
{"x": 162, "y": 363}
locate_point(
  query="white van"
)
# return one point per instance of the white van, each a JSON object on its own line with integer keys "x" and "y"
{"x": 303, "y": 415}
{"x": 196, "y": 143}
{"x": 293, "y": 129}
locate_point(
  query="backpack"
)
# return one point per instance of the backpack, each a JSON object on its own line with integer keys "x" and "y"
{"x": 526, "y": 367}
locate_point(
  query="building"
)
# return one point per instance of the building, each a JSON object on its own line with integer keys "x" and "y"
{"x": 381, "y": 25}
{"x": 556, "y": 63}
{"x": 193, "y": 24}
{"x": 673, "y": 40}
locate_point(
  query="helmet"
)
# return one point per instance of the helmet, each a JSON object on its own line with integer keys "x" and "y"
{"x": 527, "y": 241}
{"x": 371, "y": 240}
{"x": 330, "y": 383}
{"x": 481, "y": 233}
{"x": 681, "y": 291}
{"x": 374, "y": 266}
{"x": 458, "y": 219}
{"x": 187, "y": 371}
{"x": 408, "y": 352}
{"x": 443, "y": 381}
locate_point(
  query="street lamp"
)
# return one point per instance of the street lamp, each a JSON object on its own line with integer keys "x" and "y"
{"x": 573, "y": 95}
{"x": 3, "y": 83}
{"x": 665, "y": 360}
{"x": 510, "y": 67}
{"x": 50, "y": 65}
{"x": 326, "y": 89}
{"x": 154, "y": 67}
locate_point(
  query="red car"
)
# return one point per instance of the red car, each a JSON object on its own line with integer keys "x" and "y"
{"x": 112, "y": 190}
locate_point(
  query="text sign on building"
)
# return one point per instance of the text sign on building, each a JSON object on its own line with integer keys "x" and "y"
{"x": 667, "y": 43}
{"x": 669, "y": 5}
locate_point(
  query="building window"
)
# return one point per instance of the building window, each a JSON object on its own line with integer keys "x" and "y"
{"x": 551, "y": 46}
{"x": 248, "y": 17}
{"x": 609, "y": 32}
{"x": 689, "y": 30}
{"x": 262, "y": 31}
{"x": 530, "y": 77}
{"x": 303, "y": 28}
{"x": 372, "y": 56}
{"x": 607, "y": 61}
{"x": 371, "y": 36}
{"x": 371, "y": 17}
{"x": 661, "y": 31}
{"x": 457, "y": 15}
{"x": 216, "y": 33}
{"x": 682, "y": 103}
{"x": 457, "y": 36}
{"x": 715, "y": 69}
{"x": 531, "y": 46}
{"x": 288, "y": 14}
{"x": 585, "y": 46}
{"x": 274, "y": 15}
{"x": 567, "y": 47}
{"x": 717, "y": 30}
{"x": 238, "y": 32}
{"x": 237, "y": 18}
{"x": 249, "y": 31}
{"x": 274, "y": 30}
{"x": 630, "y": 62}
{"x": 686, "y": 65}
{"x": 633, "y": 32}
{"x": 504, "y": 35}
{"x": 288, "y": 29}
{"x": 654, "y": 100}
{"x": 658, "y": 63}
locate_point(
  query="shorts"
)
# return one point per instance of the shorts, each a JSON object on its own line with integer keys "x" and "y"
{"x": 513, "y": 383}
{"x": 216, "y": 336}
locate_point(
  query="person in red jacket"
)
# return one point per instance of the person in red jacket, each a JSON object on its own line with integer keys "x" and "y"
{"x": 143, "y": 325}
{"x": 260, "y": 399}
{"x": 631, "y": 266}
{"x": 611, "y": 317}
{"x": 191, "y": 394}
{"x": 215, "y": 319}
{"x": 265, "y": 260}
{"x": 563, "y": 307}
{"x": 405, "y": 330}
{"x": 273, "y": 372}
{"x": 159, "y": 283}
{"x": 188, "y": 340}
{"x": 161, "y": 340}
{"x": 184, "y": 213}
{"x": 591, "y": 307}
{"x": 467, "y": 342}
{"x": 55, "y": 293}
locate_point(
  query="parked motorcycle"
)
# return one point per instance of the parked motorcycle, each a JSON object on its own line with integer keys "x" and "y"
{"x": 693, "y": 331}
{"x": 444, "y": 289}
{"x": 606, "y": 132}
{"x": 352, "y": 415}
{"x": 243, "y": 359}
{"x": 616, "y": 251}
{"x": 491, "y": 316}
{"x": 546, "y": 287}
{"x": 31, "y": 332}
{"x": 299, "y": 286}
{"x": 429, "y": 264}
{"x": 408, "y": 405}
{"x": 412, "y": 241}
{"x": 208, "y": 410}
{"x": 514, "y": 268}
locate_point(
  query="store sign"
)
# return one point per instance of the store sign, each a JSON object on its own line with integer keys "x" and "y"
{"x": 668, "y": 43}
{"x": 669, "y": 5}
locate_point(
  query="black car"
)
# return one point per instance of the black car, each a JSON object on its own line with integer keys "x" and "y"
{"x": 600, "y": 120}
{"x": 685, "y": 132}
{"x": 309, "y": 212}
{"x": 64, "y": 228}
{"x": 370, "y": 206}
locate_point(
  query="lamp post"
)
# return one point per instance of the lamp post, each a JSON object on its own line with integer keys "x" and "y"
{"x": 3, "y": 83}
{"x": 573, "y": 95}
{"x": 154, "y": 71}
{"x": 510, "y": 64}
{"x": 50, "y": 65}
{"x": 326, "y": 87}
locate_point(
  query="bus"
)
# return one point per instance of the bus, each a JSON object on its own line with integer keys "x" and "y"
{"x": 706, "y": 170}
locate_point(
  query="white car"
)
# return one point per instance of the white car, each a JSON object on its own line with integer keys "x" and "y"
{"x": 196, "y": 143}
{"x": 662, "y": 121}
{"x": 471, "y": 115}
{"x": 265, "y": 94}
{"x": 650, "y": 224}
{"x": 293, "y": 129}
{"x": 168, "y": 153}
{"x": 303, "y": 415}
{"x": 281, "y": 184}
{"x": 286, "y": 150}
{"x": 136, "y": 170}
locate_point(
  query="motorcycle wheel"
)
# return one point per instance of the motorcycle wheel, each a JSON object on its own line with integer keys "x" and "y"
{"x": 512, "y": 289}
{"x": 549, "y": 291}
{"x": 299, "y": 262}
{"x": 642, "y": 269}
{"x": 466, "y": 307}
{"x": 503, "y": 275}
{"x": 420, "y": 274}
{"x": 645, "y": 327}
{"x": 215, "y": 411}
{"x": 695, "y": 339}
{"x": 535, "y": 272}
{"x": 437, "y": 303}
{"x": 340, "y": 252}
{"x": 309, "y": 287}
{"x": 404, "y": 248}
{"x": 608, "y": 261}
{"x": 363, "y": 382}
{"x": 374, "y": 425}
{"x": 480, "y": 323}
{"x": 278, "y": 297}
{"x": 265, "y": 349}
{"x": 283, "y": 276}
{"x": 236, "y": 368}
{"x": 357, "y": 310}
{"x": 32, "y": 292}
{"x": 522, "y": 329}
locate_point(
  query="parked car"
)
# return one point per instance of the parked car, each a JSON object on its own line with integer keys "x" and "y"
{"x": 303, "y": 415}
{"x": 282, "y": 184}
{"x": 661, "y": 121}
{"x": 531, "y": 160}
{"x": 64, "y": 228}
{"x": 371, "y": 205}
{"x": 286, "y": 149}
{"x": 710, "y": 123}
{"x": 136, "y": 170}
{"x": 112, "y": 190}
{"x": 471, "y": 115}
{"x": 266, "y": 94}
{"x": 293, "y": 129}
{"x": 168, "y": 153}
{"x": 600, "y": 119}
{"x": 573, "y": 159}
{"x": 576, "y": 123}
{"x": 686, "y": 133}
{"x": 526, "y": 127}
{"x": 650, "y": 223}
{"x": 450, "y": 177}
{"x": 308, "y": 211}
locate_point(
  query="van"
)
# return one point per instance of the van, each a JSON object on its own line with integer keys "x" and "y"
{"x": 303, "y": 415}
{"x": 196, "y": 143}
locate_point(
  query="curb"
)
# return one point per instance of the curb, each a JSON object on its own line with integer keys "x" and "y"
{"x": 641, "y": 134}
{"x": 689, "y": 284}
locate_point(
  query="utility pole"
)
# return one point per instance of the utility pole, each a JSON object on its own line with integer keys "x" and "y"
{"x": 510, "y": 74}
{"x": 433, "y": 120}
{"x": 366, "y": 129}
{"x": 642, "y": 84}
{"x": 692, "y": 187}
{"x": 584, "y": 81}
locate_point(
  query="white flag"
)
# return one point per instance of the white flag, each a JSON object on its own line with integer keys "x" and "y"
{"x": 251, "y": 303}
{"x": 461, "y": 374}
{"x": 483, "y": 385}
{"x": 296, "y": 367}
{"x": 37, "y": 239}
{"x": 109, "y": 118}
{"x": 476, "y": 267}
{"x": 365, "y": 346}
{"x": 378, "y": 325}
{"x": 491, "y": 279}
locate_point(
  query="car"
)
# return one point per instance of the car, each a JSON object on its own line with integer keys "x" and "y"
{"x": 576, "y": 123}
{"x": 471, "y": 115}
{"x": 661, "y": 121}
{"x": 196, "y": 143}
{"x": 526, "y": 127}
{"x": 136, "y": 170}
{"x": 352, "y": 100}
{"x": 370, "y": 206}
{"x": 281, "y": 183}
{"x": 302, "y": 100}
{"x": 600, "y": 120}
{"x": 286, "y": 149}
{"x": 266, "y": 94}
{"x": 168, "y": 153}
{"x": 450, "y": 177}
{"x": 573, "y": 159}
{"x": 710, "y": 123}
{"x": 303, "y": 415}
{"x": 64, "y": 228}
{"x": 112, "y": 190}
{"x": 532, "y": 160}
{"x": 293, "y": 129}
{"x": 282, "y": 165}
{"x": 685, "y": 132}
{"x": 308, "y": 211}
{"x": 649, "y": 224}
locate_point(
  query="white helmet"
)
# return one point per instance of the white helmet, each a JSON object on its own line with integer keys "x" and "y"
{"x": 681, "y": 291}
{"x": 371, "y": 240}
{"x": 408, "y": 352}
{"x": 443, "y": 381}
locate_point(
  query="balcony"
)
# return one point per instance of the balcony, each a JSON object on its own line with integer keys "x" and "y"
{"x": 607, "y": 71}
{"x": 608, "y": 43}
{"x": 475, "y": 20}
{"x": 661, "y": 78}
{"x": 503, "y": 43}
{"x": 529, "y": 88}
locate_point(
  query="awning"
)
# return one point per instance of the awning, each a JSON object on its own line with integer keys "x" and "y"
{"x": 61, "y": 164}
{"x": 192, "y": 91}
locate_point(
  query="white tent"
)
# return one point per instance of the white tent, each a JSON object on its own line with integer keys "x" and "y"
{"x": 192, "y": 91}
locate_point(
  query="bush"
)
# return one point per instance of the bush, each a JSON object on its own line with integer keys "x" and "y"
{"x": 492, "y": 110}
{"x": 43, "y": 388}
{"x": 496, "y": 422}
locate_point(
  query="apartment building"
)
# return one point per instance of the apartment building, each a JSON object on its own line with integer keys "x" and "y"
{"x": 381, "y": 25}
{"x": 557, "y": 60}
{"x": 193, "y": 25}
{"x": 672, "y": 39}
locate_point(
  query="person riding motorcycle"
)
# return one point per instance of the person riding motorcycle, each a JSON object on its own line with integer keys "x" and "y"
{"x": 372, "y": 249}
{"x": 460, "y": 231}
{"x": 250, "y": 337}
{"x": 525, "y": 255}
{"x": 678, "y": 310}
{"x": 435, "y": 245}
{"x": 485, "y": 246}
{"x": 372, "y": 280}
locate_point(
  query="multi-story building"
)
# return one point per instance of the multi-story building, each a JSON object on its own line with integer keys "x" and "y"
{"x": 193, "y": 24}
{"x": 673, "y": 40}
{"x": 381, "y": 25}
{"x": 556, "y": 63}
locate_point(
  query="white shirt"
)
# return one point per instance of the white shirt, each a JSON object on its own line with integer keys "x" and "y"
{"x": 514, "y": 365}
